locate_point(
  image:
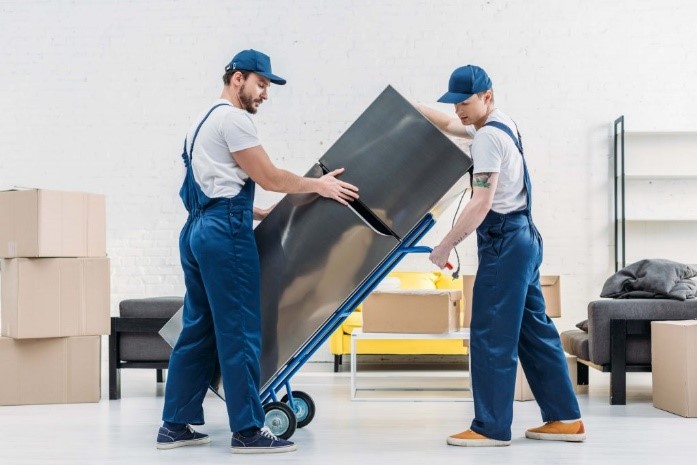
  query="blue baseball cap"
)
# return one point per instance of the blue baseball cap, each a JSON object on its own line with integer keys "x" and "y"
{"x": 256, "y": 62}
{"x": 464, "y": 83}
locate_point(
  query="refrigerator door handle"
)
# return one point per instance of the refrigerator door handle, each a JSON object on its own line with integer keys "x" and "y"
{"x": 372, "y": 221}
{"x": 369, "y": 218}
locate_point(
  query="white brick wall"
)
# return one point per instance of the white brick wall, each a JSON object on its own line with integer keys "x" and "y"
{"x": 97, "y": 95}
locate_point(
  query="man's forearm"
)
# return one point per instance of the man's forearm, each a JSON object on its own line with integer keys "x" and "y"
{"x": 469, "y": 220}
{"x": 448, "y": 124}
{"x": 438, "y": 118}
{"x": 290, "y": 183}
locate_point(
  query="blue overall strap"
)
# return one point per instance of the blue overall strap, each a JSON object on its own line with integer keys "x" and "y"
{"x": 188, "y": 156}
{"x": 519, "y": 145}
{"x": 516, "y": 140}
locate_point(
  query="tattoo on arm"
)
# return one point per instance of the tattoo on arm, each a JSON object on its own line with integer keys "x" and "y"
{"x": 482, "y": 180}
{"x": 460, "y": 239}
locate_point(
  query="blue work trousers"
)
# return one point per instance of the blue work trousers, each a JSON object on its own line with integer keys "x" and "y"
{"x": 221, "y": 315}
{"x": 509, "y": 323}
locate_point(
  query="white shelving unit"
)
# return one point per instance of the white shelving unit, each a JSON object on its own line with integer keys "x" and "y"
{"x": 655, "y": 195}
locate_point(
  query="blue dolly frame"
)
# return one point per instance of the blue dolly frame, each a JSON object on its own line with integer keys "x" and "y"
{"x": 296, "y": 409}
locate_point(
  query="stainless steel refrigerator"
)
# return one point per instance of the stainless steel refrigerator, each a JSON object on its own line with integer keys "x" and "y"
{"x": 316, "y": 252}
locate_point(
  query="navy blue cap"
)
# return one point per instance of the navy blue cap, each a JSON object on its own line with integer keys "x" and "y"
{"x": 464, "y": 83}
{"x": 256, "y": 62}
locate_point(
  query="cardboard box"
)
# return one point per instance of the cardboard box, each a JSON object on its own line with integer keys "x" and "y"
{"x": 50, "y": 371}
{"x": 522, "y": 388}
{"x": 424, "y": 311}
{"x": 550, "y": 291}
{"x": 467, "y": 291}
{"x": 43, "y": 223}
{"x": 55, "y": 297}
{"x": 674, "y": 366}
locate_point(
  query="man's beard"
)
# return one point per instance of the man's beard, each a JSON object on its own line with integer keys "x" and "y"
{"x": 246, "y": 100}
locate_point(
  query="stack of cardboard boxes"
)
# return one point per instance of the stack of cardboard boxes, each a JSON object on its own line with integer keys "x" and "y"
{"x": 54, "y": 296}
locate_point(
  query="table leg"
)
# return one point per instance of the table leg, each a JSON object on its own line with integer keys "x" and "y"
{"x": 353, "y": 366}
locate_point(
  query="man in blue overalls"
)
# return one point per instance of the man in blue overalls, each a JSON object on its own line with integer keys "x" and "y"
{"x": 224, "y": 159}
{"x": 508, "y": 311}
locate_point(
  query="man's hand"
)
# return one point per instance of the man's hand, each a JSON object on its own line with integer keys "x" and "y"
{"x": 261, "y": 213}
{"x": 332, "y": 188}
{"x": 440, "y": 255}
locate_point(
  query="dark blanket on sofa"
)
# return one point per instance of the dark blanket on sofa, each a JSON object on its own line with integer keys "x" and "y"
{"x": 652, "y": 279}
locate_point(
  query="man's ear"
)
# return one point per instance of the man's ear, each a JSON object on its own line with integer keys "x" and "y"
{"x": 238, "y": 77}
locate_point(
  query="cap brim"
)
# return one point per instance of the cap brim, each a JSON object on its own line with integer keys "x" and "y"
{"x": 454, "y": 97}
{"x": 273, "y": 78}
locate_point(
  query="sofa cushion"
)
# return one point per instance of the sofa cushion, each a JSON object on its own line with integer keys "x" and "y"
{"x": 406, "y": 346}
{"x": 152, "y": 307}
{"x": 136, "y": 347}
{"x": 575, "y": 342}
{"x": 638, "y": 348}
{"x": 446, "y": 281}
{"x": 583, "y": 325}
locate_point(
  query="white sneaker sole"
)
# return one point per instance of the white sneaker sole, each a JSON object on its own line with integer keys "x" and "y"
{"x": 190, "y": 442}
{"x": 263, "y": 450}
{"x": 556, "y": 437}
{"x": 477, "y": 442}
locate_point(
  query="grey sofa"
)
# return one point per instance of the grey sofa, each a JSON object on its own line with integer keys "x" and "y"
{"x": 619, "y": 337}
{"x": 134, "y": 341}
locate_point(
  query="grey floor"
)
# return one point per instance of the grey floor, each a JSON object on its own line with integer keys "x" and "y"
{"x": 346, "y": 432}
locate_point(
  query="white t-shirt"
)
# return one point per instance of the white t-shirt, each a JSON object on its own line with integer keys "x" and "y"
{"x": 493, "y": 151}
{"x": 228, "y": 129}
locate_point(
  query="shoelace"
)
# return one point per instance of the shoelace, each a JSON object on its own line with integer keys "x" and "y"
{"x": 265, "y": 431}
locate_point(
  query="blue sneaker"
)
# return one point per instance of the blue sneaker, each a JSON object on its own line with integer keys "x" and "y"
{"x": 264, "y": 442}
{"x": 168, "y": 439}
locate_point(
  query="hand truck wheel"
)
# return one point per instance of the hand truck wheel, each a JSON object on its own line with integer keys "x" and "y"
{"x": 280, "y": 419}
{"x": 304, "y": 407}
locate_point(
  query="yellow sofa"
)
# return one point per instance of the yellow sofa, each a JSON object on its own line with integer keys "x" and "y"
{"x": 340, "y": 341}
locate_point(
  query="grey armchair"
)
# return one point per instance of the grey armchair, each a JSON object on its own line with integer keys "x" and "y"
{"x": 618, "y": 339}
{"x": 134, "y": 341}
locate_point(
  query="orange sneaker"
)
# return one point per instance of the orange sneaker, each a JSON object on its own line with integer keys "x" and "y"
{"x": 471, "y": 439}
{"x": 573, "y": 431}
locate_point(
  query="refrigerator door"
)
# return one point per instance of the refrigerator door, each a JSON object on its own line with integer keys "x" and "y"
{"x": 314, "y": 253}
{"x": 402, "y": 164}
